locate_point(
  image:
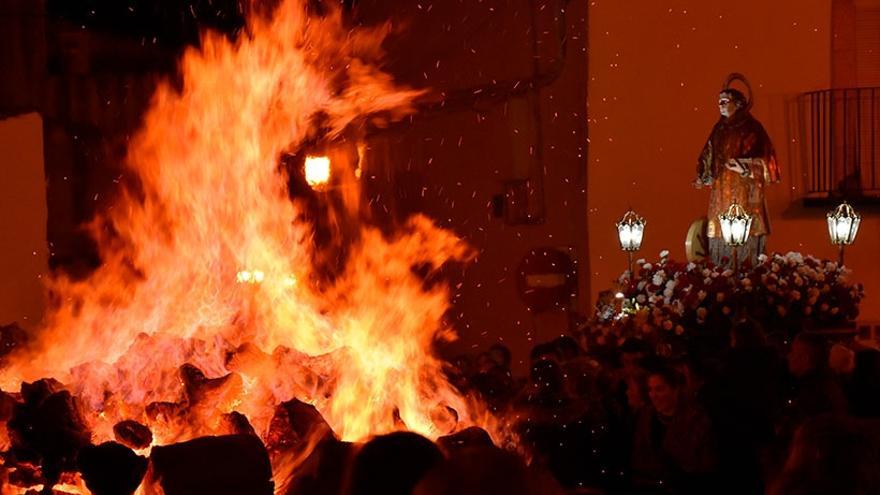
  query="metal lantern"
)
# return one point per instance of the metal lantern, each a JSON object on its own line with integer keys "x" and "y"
{"x": 843, "y": 226}
{"x": 630, "y": 231}
{"x": 735, "y": 225}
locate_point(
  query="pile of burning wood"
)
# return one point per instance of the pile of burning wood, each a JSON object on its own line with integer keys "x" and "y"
{"x": 47, "y": 446}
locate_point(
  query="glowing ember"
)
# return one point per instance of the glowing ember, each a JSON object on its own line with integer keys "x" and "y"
{"x": 317, "y": 170}
{"x": 177, "y": 328}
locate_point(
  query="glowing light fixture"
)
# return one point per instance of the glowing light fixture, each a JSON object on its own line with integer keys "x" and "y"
{"x": 735, "y": 226}
{"x": 843, "y": 226}
{"x": 630, "y": 231}
{"x": 317, "y": 170}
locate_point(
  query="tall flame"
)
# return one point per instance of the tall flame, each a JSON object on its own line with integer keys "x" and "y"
{"x": 210, "y": 206}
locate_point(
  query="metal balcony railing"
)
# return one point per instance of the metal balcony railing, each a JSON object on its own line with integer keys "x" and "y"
{"x": 843, "y": 145}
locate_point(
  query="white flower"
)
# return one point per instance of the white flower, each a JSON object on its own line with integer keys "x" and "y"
{"x": 641, "y": 285}
{"x": 664, "y": 253}
{"x": 668, "y": 293}
{"x": 647, "y": 266}
{"x": 762, "y": 258}
{"x": 658, "y": 279}
{"x": 690, "y": 266}
{"x": 640, "y": 261}
{"x": 678, "y": 307}
{"x": 671, "y": 284}
{"x": 727, "y": 273}
{"x": 792, "y": 256}
{"x": 640, "y": 299}
{"x": 707, "y": 281}
{"x": 706, "y": 272}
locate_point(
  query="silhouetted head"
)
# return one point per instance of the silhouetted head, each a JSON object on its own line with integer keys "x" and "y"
{"x": 392, "y": 464}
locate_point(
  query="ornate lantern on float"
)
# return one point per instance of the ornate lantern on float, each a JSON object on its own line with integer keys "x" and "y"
{"x": 630, "y": 231}
{"x": 843, "y": 226}
{"x": 735, "y": 226}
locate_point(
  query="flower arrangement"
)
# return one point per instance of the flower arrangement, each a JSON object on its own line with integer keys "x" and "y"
{"x": 786, "y": 293}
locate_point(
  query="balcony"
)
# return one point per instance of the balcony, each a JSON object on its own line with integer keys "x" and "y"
{"x": 841, "y": 145}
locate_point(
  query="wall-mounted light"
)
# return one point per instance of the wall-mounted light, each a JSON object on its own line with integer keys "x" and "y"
{"x": 317, "y": 171}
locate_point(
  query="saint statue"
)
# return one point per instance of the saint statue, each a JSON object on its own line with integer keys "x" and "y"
{"x": 737, "y": 162}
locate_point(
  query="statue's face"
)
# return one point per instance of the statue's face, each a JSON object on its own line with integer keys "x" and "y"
{"x": 726, "y": 105}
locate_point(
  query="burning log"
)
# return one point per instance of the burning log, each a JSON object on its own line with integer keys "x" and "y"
{"x": 165, "y": 411}
{"x": 7, "y": 404}
{"x": 237, "y": 424}
{"x": 47, "y": 429}
{"x": 111, "y": 469}
{"x": 132, "y": 434}
{"x": 197, "y": 385}
{"x": 25, "y": 474}
{"x": 293, "y": 424}
{"x": 224, "y": 465}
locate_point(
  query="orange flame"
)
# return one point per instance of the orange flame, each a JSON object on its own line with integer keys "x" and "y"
{"x": 206, "y": 264}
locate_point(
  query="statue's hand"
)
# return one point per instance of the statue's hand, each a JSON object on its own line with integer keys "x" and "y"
{"x": 735, "y": 166}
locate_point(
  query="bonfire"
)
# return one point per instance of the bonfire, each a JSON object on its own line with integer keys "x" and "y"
{"x": 225, "y": 304}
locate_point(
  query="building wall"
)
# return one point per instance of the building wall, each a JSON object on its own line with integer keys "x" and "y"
{"x": 655, "y": 72}
{"x": 498, "y": 125}
{"x": 23, "y": 248}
